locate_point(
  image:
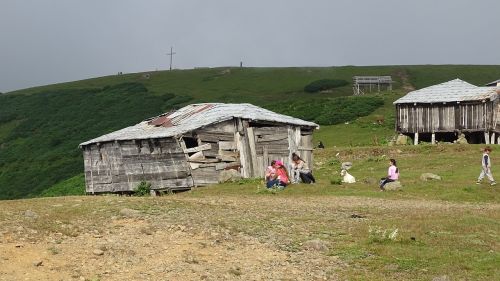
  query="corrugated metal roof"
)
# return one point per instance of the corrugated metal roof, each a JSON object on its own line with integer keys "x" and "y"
{"x": 451, "y": 91}
{"x": 195, "y": 116}
{"x": 493, "y": 83}
{"x": 372, "y": 79}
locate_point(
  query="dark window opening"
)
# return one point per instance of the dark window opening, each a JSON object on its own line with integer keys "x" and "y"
{"x": 190, "y": 142}
{"x": 261, "y": 125}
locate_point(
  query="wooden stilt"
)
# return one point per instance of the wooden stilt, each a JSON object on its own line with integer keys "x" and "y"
{"x": 486, "y": 137}
{"x": 415, "y": 139}
{"x": 492, "y": 139}
{"x": 433, "y": 138}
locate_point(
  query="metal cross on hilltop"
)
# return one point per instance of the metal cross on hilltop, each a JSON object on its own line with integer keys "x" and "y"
{"x": 171, "y": 54}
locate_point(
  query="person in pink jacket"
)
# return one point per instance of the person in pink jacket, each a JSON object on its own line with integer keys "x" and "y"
{"x": 392, "y": 174}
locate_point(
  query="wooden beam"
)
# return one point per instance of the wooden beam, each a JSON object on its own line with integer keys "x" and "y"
{"x": 253, "y": 154}
{"x": 222, "y": 166}
{"x": 492, "y": 140}
{"x": 227, "y": 145}
{"x": 433, "y": 138}
{"x": 415, "y": 139}
{"x": 207, "y": 160}
{"x": 206, "y": 146}
{"x": 486, "y": 137}
{"x": 275, "y": 137}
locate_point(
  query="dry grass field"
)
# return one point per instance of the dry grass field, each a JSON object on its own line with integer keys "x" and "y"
{"x": 441, "y": 230}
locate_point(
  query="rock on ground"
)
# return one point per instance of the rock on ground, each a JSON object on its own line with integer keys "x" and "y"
{"x": 30, "y": 214}
{"x": 429, "y": 176}
{"x": 441, "y": 278}
{"x": 346, "y": 165}
{"x": 402, "y": 140}
{"x": 316, "y": 245}
{"x": 370, "y": 181}
{"x": 126, "y": 212}
{"x": 392, "y": 186}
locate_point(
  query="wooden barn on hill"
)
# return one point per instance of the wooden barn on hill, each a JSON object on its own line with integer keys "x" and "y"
{"x": 191, "y": 146}
{"x": 442, "y": 111}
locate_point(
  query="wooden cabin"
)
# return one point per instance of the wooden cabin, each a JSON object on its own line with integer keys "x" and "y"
{"x": 443, "y": 111}
{"x": 191, "y": 146}
{"x": 362, "y": 84}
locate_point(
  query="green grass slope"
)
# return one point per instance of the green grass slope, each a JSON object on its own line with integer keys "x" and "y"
{"x": 40, "y": 128}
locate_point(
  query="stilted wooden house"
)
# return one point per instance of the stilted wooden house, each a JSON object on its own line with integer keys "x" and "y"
{"x": 191, "y": 146}
{"x": 443, "y": 111}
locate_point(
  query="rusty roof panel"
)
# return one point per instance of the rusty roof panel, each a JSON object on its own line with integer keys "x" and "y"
{"x": 195, "y": 116}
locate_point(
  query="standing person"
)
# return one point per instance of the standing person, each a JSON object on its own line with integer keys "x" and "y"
{"x": 300, "y": 170}
{"x": 486, "y": 167}
{"x": 392, "y": 174}
{"x": 282, "y": 174}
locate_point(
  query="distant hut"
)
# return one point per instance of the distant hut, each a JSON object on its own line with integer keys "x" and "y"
{"x": 191, "y": 146}
{"x": 442, "y": 111}
{"x": 362, "y": 84}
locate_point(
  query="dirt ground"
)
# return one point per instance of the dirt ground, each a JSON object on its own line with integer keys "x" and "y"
{"x": 186, "y": 238}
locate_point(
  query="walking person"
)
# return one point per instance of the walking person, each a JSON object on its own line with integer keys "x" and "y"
{"x": 486, "y": 167}
{"x": 392, "y": 174}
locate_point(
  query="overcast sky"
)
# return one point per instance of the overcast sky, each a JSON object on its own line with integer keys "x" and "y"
{"x": 48, "y": 41}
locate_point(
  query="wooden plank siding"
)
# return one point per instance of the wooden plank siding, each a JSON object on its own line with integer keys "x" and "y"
{"x": 435, "y": 118}
{"x": 166, "y": 163}
{"x": 122, "y": 166}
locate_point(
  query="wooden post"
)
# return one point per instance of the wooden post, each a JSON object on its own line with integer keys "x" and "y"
{"x": 415, "y": 139}
{"x": 486, "y": 137}
{"x": 492, "y": 140}
{"x": 433, "y": 138}
{"x": 253, "y": 153}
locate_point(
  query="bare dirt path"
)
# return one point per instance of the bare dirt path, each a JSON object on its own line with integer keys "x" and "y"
{"x": 190, "y": 238}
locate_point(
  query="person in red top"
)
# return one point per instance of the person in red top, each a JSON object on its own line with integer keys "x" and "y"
{"x": 282, "y": 173}
{"x": 280, "y": 177}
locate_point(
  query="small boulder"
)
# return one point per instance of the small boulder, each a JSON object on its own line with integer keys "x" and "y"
{"x": 30, "y": 214}
{"x": 429, "y": 176}
{"x": 126, "y": 212}
{"x": 346, "y": 165}
{"x": 393, "y": 186}
{"x": 229, "y": 176}
{"x": 461, "y": 139}
{"x": 98, "y": 252}
{"x": 316, "y": 245}
{"x": 402, "y": 140}
{"x": 370, "y": 181}
{"x": 441, "y": 278}
{"x": 37, "y": 263}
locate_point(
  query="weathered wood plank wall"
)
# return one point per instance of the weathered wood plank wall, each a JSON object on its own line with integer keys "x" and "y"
{"x": 168, "y": 163}
{"x": 430, "y": 118}
{"x": 121, "y": 166}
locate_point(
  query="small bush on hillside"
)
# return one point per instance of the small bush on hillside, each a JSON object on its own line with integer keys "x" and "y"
{"x": 142, "y": 189}
{"x": 324, "y": 84}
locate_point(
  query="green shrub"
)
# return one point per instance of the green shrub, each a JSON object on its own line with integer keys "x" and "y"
{"x": 331, "y": 111}
{"x": 336, "y": 181}
{"x": 324, "y": 84}
{"x": 142, "y": 189}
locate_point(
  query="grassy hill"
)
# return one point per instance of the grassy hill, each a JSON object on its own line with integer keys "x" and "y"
{"x": 40, "y": 128}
